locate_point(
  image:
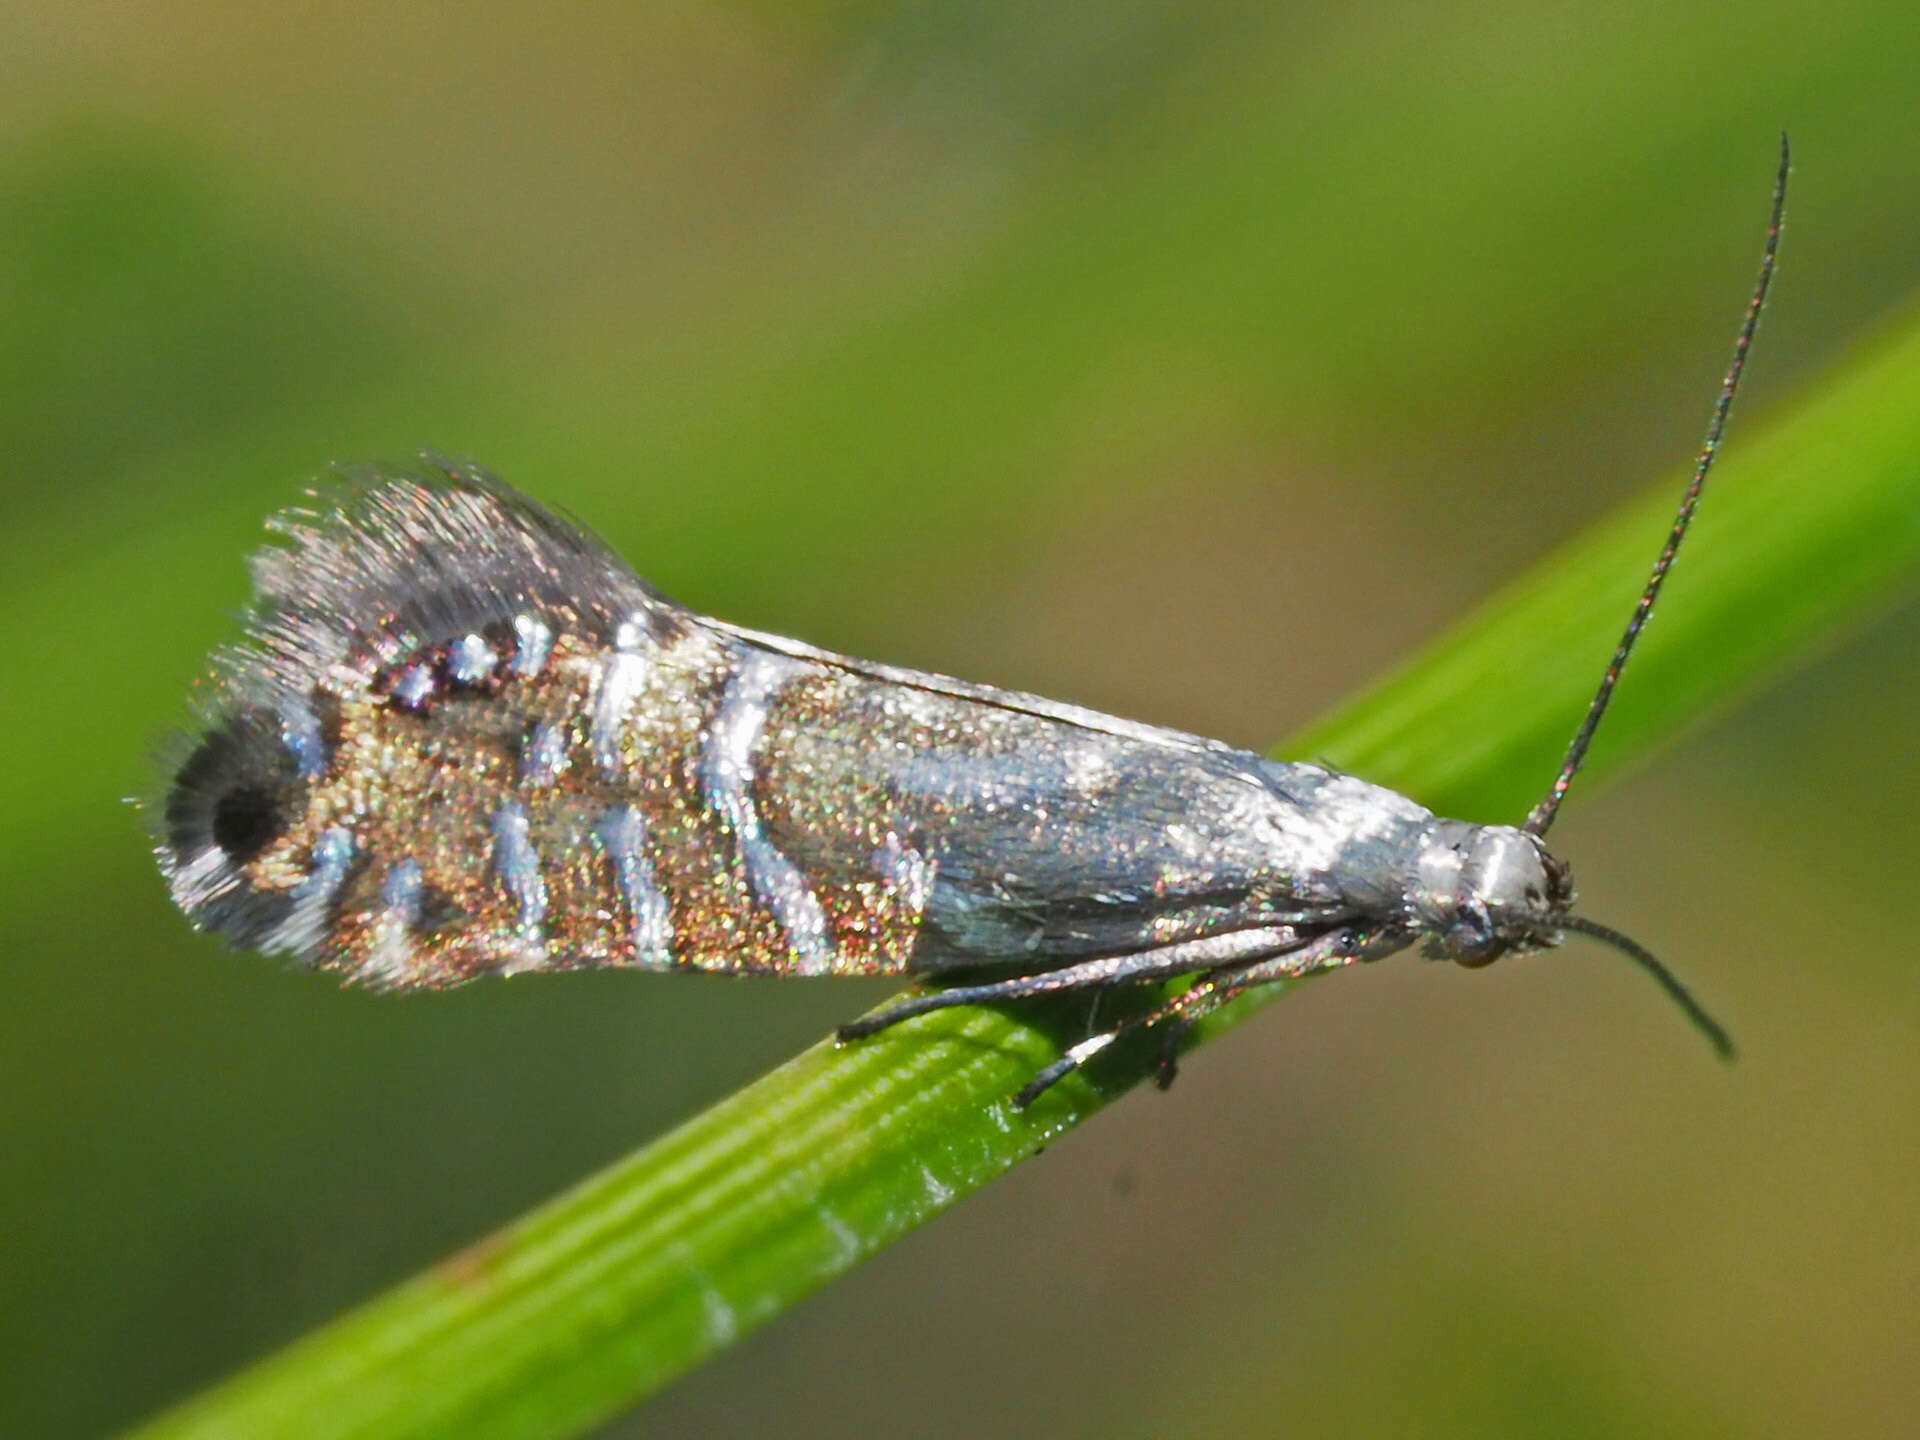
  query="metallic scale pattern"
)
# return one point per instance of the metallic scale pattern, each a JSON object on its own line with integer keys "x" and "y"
{"x": 461, "y": 737}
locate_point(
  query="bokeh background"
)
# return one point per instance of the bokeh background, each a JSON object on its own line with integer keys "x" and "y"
{"x": 1192, "y": 361}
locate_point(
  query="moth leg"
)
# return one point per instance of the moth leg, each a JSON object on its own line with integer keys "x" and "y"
{"x": 1181, "y": 1012}
{"x": 1093, "y": 1010}
{"x": 1160, "y": 963}
{"x": 1016, "y": 988}
{"x": 1166, "y": 1066}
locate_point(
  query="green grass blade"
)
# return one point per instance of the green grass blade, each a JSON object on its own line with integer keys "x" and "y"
{"x": 603, "y": 1295}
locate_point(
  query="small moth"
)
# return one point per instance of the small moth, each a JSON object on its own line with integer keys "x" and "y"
{"x": 461, "y": 737}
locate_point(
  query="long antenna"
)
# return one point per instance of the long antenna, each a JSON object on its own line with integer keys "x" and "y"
{"x": 1715, "y": 1032}
{"x": 1542, "y": 815}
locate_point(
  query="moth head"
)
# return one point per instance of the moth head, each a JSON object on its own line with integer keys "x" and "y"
{"x": 1486, "y": 891}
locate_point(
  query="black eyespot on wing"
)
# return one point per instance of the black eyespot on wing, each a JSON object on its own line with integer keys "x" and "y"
{"x": 237, "y": 790}
{"x": 246, "y": 820}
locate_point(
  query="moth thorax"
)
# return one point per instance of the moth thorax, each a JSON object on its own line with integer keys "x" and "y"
{"x": 1482, "y": 891}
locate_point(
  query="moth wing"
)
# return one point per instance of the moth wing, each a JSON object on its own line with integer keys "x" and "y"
{"x": 1016, "y": 702}
{"x": 388, "y": 557}
{"x": 1055, "y": 833}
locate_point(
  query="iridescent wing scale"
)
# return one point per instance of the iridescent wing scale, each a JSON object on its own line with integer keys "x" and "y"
{"x": 462, "y": 737}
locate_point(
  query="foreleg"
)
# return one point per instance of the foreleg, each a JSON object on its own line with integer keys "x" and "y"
{"x": 1160, "y": 963}
{"x": 1183, "y": 1011}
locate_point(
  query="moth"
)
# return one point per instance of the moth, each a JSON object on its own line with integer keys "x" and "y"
{"x": 461, "y": 737}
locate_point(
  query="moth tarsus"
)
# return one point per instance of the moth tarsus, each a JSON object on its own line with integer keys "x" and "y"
{"x": 460, "y": 737}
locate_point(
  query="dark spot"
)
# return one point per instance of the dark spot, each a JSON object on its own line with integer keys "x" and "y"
{"x": 239, "y": 790}
{"x": 439, "y": 911}
{"x": 245, "y": 821}
{"x": 235, "y": 796}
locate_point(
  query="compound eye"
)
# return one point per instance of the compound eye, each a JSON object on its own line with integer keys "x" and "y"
{"x": 1474, "y": 939}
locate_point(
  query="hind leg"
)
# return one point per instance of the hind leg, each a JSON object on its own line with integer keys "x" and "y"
{"x": 1161, "y": 963}
{"x": 1181, "y": 1012}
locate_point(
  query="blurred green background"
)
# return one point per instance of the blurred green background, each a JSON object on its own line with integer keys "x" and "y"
{"x": 1190, "y": 361}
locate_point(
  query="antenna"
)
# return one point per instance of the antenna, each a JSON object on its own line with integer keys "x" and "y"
{"x": 1715, "y": 1032}
{"x": 1542, "y": 815}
